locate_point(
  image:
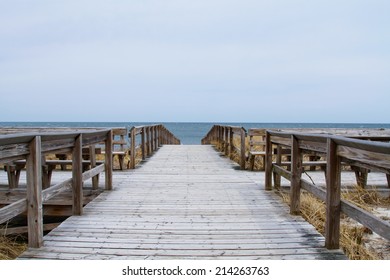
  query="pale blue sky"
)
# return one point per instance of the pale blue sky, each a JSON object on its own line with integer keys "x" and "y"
{"x": 204, "y": 60}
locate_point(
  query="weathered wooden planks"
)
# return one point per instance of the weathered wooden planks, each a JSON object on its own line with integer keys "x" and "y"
{"x": 186, "y": 202}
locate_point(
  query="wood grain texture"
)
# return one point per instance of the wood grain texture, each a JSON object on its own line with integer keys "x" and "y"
{"x": 185, "y": 202}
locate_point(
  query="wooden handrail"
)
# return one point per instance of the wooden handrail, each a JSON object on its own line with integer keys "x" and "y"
{"x": 152, "y": 137}
{"x": 338, "y": 150}
{"x": 32, "y": 148}
{"x": 223, "y": 138}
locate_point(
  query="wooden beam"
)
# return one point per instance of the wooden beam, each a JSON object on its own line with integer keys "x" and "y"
{"x": 268, "y": 162}
{"x": 92, "y": 154}
{"x": 132, "y": 148}
{"x": 10, "y": 211}
{"x": 242, "y": 157}
{"x": 77, "y": 176}
{"x": 333, "y": 186}
{"x": 108, "y": 163}
{"x": 296, "y": 172}
{"x": 34, "y": 194}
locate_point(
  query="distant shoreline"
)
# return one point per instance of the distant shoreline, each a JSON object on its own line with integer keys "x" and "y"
{"x": 191, "y": 133}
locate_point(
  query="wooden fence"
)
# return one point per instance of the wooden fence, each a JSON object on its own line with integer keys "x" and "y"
{"x": 337, "y": 150}
{"x": 32, "y": 148}
{"x": 151, "y": 138}
{"x": 223, "y": 137}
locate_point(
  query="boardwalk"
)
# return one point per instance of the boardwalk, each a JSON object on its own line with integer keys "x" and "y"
{"x": 185, "y": 202}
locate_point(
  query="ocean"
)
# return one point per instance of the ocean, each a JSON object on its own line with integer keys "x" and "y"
{"x": 192, "y": 133}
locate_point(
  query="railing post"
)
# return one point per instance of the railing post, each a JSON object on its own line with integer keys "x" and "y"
{"x": 296, "y": 171}
{"x": 109, "y": 160}
{"x": 147, "y": 140}
{"x": 155, "y": 139}
{"x": 231, "y": 148}
{"x": 143, "y": 146}
{"x": 333, "y": 184}
{"x": 34, "y": 194}
{"x": 152, "y": 138}
{"x": 159, "y": 136}
{"x": 77, "y": 176}
{"x": 92, "y": 157}
{"x": 132, "y": 147}
{"x": 277, "y": 177}
{"x": 268, "y": 162}
{"x": 227, "y": 141}
{"x": 242, "y": 158}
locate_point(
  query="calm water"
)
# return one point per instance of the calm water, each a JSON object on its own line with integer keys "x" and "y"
{"x": 192, "y": 133}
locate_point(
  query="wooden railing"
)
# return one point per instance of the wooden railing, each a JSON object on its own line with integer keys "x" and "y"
{"x": 151, "y": 138}
{"x": 337, "y": 150}
{"x": 223, "y": 137}
{"x": 32, "y": 148}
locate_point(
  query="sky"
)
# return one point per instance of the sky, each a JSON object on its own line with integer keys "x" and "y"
{"x": 195, "y": 61}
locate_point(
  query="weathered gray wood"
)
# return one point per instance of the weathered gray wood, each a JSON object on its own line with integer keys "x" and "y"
{"x": 92, "y": 173}
{"x": 333, "y": 188}
{"x": 10, "y": 211}
{"x": 184, "y": 202}
{"x": 143, "y": 147}
{"x": 132, "y": 148}
{"x": 34, "y": 194}
{"x": 49, "y": 193}
{"x": 92, "y": 154}
{"x": 77, "y": 176}
{"x": 374, "y": 223}
{"x": 242, "y": 148}
{"x": 268, "y": 163}
{"x": 296, "y": 171}
{"x": 108, "y": 167}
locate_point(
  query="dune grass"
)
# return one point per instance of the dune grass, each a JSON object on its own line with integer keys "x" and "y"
{"x": 353, "y": 236}
{"x": 11, "y": 247}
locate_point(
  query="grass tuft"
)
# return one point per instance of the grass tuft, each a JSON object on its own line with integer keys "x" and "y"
{"x": 352, "y": 234}
{"x": 11, "y": 248}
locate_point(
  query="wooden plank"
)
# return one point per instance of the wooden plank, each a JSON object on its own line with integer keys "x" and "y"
{"x": 242, "y": 148}
{"x": 296, "y": 171}
{"x": 77, "y": 176}
{"x": 333, "y": 187}
{"x": 374, "y": 223}
{"x": 12, "y": 152}
{"x": 132, "y": 148}
{"x": 49, "y": 193}
{"x": 10, "y": 211}
{"x": 34, "y": 194}
{"x": 92, "y": 155}
{"x": 184, "y": 202}
{"x": 378, "y": 161}
{"x": 93, "y": 172}
{"x": 108, "y": 164}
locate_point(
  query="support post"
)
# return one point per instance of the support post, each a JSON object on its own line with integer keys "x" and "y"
{"x": 296, "y": 172}
{"x": 227, "y": 141}
{"x": 34, "y": 195}
{"x": 143, "y": 147}
{"x": 92, "y": 154}
{"x": 277, "y": 177}
{"x": 77, "y": 176}
{"x": 333, "y": 205}
{"x": 268, "y": 162}
{"x": 108, "y": 161}
{"x": 242, "y": 156}
{"x": 132, "y": 148}
{"x": 231, "y": 148}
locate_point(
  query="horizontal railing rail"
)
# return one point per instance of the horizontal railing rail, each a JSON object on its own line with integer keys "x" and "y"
{"x": 151, "y": 138}
{"x": 338, "y": 150}
{"x": 32, "y": 149}
{"x": 223, "y": 137}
